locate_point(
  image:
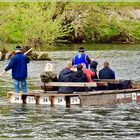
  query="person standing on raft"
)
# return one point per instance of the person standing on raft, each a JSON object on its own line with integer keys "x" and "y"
{"x": 18, "y": 64}
{"x": 81, "y": 57}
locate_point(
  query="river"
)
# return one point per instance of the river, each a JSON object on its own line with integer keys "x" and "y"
{"x": 118, "y": 121}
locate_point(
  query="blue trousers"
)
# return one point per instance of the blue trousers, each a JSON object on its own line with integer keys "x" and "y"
{"x": 17, "y": 85}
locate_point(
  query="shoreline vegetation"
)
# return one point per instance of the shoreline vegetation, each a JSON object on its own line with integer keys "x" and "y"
{"x": 49, "y": 23}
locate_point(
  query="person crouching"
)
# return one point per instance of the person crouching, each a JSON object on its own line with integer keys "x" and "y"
{"x": 48, "y": 76}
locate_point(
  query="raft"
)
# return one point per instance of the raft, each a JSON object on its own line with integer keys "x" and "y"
{"x": 92, "y": 98}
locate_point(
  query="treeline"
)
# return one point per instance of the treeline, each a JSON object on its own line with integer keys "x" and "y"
{"x": 37, "y": 24}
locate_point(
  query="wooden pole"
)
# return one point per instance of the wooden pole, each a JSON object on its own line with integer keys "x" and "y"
{"x": 97, "y": 56}
{"x": 28, "y": 51}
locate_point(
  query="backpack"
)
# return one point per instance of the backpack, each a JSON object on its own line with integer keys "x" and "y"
{"x": 125, "y": 84}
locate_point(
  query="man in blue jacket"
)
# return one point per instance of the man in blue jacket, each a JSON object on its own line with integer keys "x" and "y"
{"x": 81, "y": 57}
{"x": 18, "y": 64}
{"x": 106, "y": 72}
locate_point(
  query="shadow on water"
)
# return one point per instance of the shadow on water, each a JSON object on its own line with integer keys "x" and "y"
{"x": 119, "y": 121}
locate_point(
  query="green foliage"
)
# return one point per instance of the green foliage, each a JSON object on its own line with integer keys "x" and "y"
{"x": 29, "y": 22}
{"x": 38, "y": 24}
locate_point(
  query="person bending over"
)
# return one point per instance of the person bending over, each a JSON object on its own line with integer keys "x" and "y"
{"x": 88, "y": 73}
{"x": 80, "y": 76}
{"x": 93, "y": 67}
{"x": 66, "y": 76}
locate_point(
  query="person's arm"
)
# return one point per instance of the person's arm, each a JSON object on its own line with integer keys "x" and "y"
{"x": 27, "y": 59}
{"x": 99, "y": 75}
{"x": 10, "y": 65}
{"x": 88, "y": 59}
{"x": 113, "y": 75}
{"x": 92, "y": 73}
{"x": 85, "y": 77}
{"x": 72, "y": 61}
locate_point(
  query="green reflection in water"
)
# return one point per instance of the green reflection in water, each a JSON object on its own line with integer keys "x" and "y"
{"x": 72, "y": 47}
{"x": 89, "y": 47}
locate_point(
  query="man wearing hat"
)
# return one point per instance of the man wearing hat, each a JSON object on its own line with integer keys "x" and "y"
{"x": 18, "y": 64}
{"x": 81, "y": 57}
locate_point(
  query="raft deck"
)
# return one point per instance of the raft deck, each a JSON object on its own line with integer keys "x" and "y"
{"x": 53, "y": 98}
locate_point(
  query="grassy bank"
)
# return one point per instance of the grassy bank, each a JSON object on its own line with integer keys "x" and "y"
{"x": 41, "y": 24}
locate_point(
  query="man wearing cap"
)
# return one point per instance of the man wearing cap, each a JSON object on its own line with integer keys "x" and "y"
{"x": 81, "y": 57}
{"x": 18, "y": 64}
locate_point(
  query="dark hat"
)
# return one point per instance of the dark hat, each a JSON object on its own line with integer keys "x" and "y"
{"x": 93, "y": 65}
{"x": 18, "y": 48}
{"x": 81, "y": 49}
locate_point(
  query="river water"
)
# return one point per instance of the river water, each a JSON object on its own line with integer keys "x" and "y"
{"x": 118, "y": 121}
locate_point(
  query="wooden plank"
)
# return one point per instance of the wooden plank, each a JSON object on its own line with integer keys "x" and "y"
{"x": 111, "y": 92}
{"x": 55, "y": 93}
{"x": 98, "y": 100}
{"x": 109, "y": 81}
{"x": 75, "y": 84}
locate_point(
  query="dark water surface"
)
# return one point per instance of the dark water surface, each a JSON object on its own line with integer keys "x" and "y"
{"x": 119, "y": 121}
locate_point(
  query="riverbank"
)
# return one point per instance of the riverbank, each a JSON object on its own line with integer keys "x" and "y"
{"x": 40, "y": 53}
{"x": 41, "y": 24}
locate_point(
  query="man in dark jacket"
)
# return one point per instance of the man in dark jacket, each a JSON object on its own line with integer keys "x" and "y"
{"x": 80, "y": 76}
{"x": 106, "y": 72}
{"x": 18, "y": 64}
{"x": 81, "y": 57}
{"x": 66, "y": 76}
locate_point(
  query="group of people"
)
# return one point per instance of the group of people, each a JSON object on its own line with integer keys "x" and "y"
{"x": 81, "y": 62}
{"x": 86, "y": 71}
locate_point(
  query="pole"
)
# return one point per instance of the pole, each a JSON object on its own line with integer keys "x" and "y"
{"x": 97, "y": 56}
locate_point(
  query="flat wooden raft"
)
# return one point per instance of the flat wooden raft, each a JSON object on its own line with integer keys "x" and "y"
{"x": 52, "y": 98}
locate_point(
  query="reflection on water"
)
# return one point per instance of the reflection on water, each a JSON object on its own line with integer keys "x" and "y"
{"x": 98, "y": 122}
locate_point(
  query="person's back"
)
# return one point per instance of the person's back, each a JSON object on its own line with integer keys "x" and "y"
{"x": 93, "y": 68}
{"x": 48, "y": 76}
{"x": 80, "y": 76}
{"x": 66, "y": 76}
{"x": 107, "y": 73}
{"x": 81, "y": 57}
{"x": 18, "y": 64}
{"x": 88, "y": 73}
